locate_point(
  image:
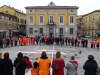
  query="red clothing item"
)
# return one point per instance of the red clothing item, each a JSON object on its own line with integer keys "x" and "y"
{"x": 75, "y": 62}
{"x": 61, "y": 65}
{"x": 28, "y": 62}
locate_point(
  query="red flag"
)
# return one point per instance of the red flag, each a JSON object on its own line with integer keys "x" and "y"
{"x": 52, "y": 22}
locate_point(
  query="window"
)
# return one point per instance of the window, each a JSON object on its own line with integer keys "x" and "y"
{"x": 41, "y": 19}
{"x": 30, "y": 30}
{"x": 30, "y": 10}
{"x": 6, "y": 11}
{"x": 61, "y": 18}
{"x": 71, "y": 30}
{"x": 99, "y": 25}
{"x": 31, "y": 19}
{"x": 51, "y": 18}
{"x": 99, "y": 16}
{"x": 9, "y": 18}
{"x": 72, "y": 10}
{"x": 61, "y": 30}
{"x": 71, "y": 19}
{"x": 92, "y": 25}
{"x": 41, "y": 30}
{"x": 92, "y": 17}
{"x": 0, "y": 17}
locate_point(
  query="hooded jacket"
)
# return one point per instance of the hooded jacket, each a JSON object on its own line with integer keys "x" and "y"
{"x": 0, "y": 63}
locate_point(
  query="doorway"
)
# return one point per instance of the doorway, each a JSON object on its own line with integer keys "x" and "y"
{"x": 50, "y": 31}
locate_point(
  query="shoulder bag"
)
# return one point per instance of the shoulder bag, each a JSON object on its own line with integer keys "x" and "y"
{"x": 15, "y": 69}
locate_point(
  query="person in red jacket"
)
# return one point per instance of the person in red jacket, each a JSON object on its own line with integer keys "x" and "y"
{"x": 28, "y": 62}
{"x": 58, "y": 62}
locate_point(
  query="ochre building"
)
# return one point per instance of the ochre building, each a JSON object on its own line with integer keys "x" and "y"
{"x": 13, "y": 17}
{"x": 51, "y": 20}
{"x": 91, "y": 24}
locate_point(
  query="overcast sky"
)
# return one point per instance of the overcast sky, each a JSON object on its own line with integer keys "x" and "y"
{"x": 85, "y": 6}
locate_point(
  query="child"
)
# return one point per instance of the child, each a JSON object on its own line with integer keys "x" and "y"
{"x": 35, "y": 70}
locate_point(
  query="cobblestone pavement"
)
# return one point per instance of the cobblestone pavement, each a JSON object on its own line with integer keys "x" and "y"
{"x": 81, "y": 58}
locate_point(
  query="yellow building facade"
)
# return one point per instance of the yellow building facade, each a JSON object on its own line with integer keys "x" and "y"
{"x": 51, "y": 19}
{"x": 21, "y": 17}
{"x": 91, "y": 24}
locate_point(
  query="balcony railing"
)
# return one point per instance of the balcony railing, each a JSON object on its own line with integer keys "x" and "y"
{"x": 50, "y": 23}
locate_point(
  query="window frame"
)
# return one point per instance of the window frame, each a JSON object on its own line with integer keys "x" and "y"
{"x": 31, "y": 10}
{"x": 72, "y": 32}
{"x": 39, "y": 20}
{"x": 31, "y": 23}
{"x": 60, "y": 20}
{"x": 30, "y": 32}
{"x": 40, "y": 30}
{"x": 61, "y": 31}
{"x": 71, "y": 23}
{"x": 49, "y": 18}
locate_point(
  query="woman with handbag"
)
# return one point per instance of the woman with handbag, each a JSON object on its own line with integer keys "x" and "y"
{"x": 72, "y": 66}
{"x": 20, "y": 65}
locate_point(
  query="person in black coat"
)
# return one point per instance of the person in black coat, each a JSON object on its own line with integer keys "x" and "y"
{"x": 90, "y": 66}
{"x": 0, "y": 63}
{"x": 20, "y": 64}
{"x": 7, "y": 65}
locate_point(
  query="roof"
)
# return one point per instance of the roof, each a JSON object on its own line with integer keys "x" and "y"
{"x": 14, "y": 9}
{"x": 20, "y": 11}
{"x": 51, "y": 7}
{"x": 79, "y": 16}
{"x": 91, "y": 12}
{"x": 1, "y": 13}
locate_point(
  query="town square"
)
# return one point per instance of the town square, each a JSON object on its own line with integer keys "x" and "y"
{"x": 49, "y": 39}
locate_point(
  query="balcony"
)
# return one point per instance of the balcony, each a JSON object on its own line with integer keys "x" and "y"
{"x": 51, "y": 23}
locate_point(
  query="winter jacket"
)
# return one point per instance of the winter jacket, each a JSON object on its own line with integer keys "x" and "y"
{"x": 28, "y": 63}
{"x": 0, "y": 66}
{"x": 61, "y": 65}
{"x": 90, "y": 67}
{"x": 7, "y": 66}
{"x": 20, "y": 69}
{"x": 72, "y": 67}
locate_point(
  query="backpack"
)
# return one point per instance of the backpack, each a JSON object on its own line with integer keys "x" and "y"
{"x": 56, "y": 67}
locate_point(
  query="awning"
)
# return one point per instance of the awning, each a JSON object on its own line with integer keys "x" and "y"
{"x": 15, "y": 30}
{"x": 22, "y": 31}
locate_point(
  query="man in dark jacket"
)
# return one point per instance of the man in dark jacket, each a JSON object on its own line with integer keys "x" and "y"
{"x": 90, "y": 66}
{"x": 7, "y": 65}
{"x": 0, "y": 63}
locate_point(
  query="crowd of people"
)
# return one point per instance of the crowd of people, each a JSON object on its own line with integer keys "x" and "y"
{"x": 43, "y": 64}
{"x": 48, "y": 40}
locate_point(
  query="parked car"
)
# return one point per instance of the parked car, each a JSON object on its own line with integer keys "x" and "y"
{"x": 87, "y": 36}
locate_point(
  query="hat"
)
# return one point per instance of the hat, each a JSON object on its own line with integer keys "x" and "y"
{"x": 6, "y": 55}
